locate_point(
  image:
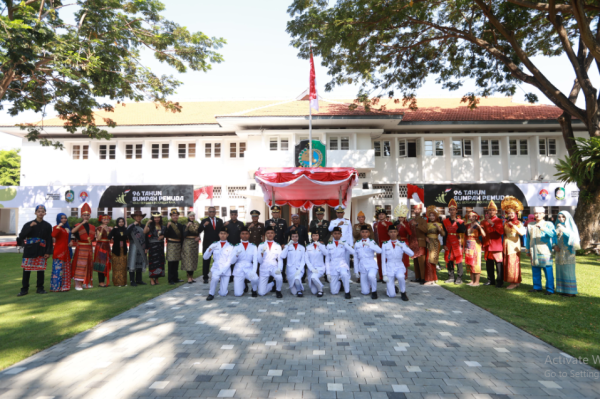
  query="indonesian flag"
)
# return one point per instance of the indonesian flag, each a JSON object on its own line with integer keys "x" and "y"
{"x": 314, "y": 98}
{"x": 416, "y": 193}
{"x": 203, "y": 193}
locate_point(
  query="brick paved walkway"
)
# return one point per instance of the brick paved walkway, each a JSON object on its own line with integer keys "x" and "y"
{"x": 180, "y": 345}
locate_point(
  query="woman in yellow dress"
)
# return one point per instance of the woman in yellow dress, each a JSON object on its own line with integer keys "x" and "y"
{"x": 473, "y": 247}
{"x": 434, "y": 229}
{"x": 513, "y": 229}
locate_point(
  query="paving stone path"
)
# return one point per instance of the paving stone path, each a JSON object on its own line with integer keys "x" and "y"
{"x": 179, "y": 345}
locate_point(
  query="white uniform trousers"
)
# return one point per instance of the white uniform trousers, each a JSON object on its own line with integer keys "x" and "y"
{"x": 214, "y": 281}
{"x": 264, "y": 286}
{"x": 368, "y": 281}
{"x": 391, "y": 284}
{"x": 238, "y": 282}
{"x": 314, "y": 280}
{"x": 295, "y": 284}
{"x": 342, "y": 276}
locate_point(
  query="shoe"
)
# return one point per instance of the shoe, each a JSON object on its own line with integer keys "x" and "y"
{"x": 76, "y": 289}
{"x": 422, "y": 282}
{"x": 374, "y": 295}
{"x": 245, "y": 286}
{"x": 210, "y": 297}
{"x": 22, "y": 293}
{"x": 449, "y": 281}
{"x": 499, "y": 286}
{"x": 299, "y": 294}
{"x": 254, "y": 294}
{"x": 133, "y": 284}
{"x": 190, "y": 282}
{"x": 319, "y": 294}
{"x": 171, "y": 283}
{"x": 404, "y": 297}
{"x": 348, "y": 296}
{"x": 278, "y": 294}
{"x": 397, "y": 289}
{"x": 178, "y": 281}
{"x": 142, "y": 283}
{"x": 205, "y": 281}
{"x": 490, "y": 283}
{"x": 415, "y": 281}
{"x": 379, "y": 280}
{"x": 534, "y": 290}
{"x": 458, "y": 281}
{"x": 41, "y": 292}
{"x": 545, "y": 293}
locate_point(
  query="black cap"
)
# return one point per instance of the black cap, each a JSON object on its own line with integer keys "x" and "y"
{"x": 392, "y": 227}
{"x": 275, "y": 208}
{"x": 269, "y": 228}
{"x": 254, "y": 213}
{"x": 364, "y": 227}
{"x": 380, "y": 210}
{"x": 314, "y": 231}
{"x": 233, "y": 211}
{"x": 336, "y": 229}
{"x": 319, "y": 210}
{"x": 243, "y": 228}
{"x": 224, "y": 228}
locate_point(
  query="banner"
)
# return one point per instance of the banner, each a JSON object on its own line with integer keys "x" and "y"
{"x": 530, "y": 194}
{"x": 319, "y": 154}
{"x": 147, "y": 196}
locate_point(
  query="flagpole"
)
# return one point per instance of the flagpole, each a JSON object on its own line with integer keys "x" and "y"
{"x": 310, "y": 151}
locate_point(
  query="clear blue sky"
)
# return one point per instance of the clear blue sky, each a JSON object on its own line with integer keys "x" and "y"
{"x": 261, "y": 64}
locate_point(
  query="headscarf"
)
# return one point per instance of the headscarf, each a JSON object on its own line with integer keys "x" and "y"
{"x": 117, "y": 227}
{"x": 66, "y": 225}
{"x": 573, "y": 242}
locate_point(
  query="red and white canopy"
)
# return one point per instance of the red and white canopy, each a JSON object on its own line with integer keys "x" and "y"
{"x": 306, "y": 187}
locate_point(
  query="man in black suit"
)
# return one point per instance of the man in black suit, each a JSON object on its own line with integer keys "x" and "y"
{"x": 211, "y": 227}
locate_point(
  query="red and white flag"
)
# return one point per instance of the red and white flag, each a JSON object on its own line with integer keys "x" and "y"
{"x": 203, "y": 193}
{"x": 314, "y": 98}
{"x": 416, "y": 193}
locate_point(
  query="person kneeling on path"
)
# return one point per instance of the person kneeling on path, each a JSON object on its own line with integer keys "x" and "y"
{"x": 271, "y": 264}
{"x": 245, "y": 255}
{"x": 336, "y": 263}
{"x": 315, "y": 253}
{"x": 222, "y": 253}
{"x": 392, "y": 264}
{"x": 366, "y": 265}
{"x": 295, "y": 253}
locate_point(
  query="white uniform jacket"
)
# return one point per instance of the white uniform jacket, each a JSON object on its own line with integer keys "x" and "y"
{"x": 221, "y": 258}
{"x": 245, "y": 259}
{"x": 337, "y": 257}
{"x": 391, "y": 257}
{"x": 314, "y": 256}
{"x": 295, "y": 258}
{"x": 365, "y": 253}
{"x": 269, "y": 258}
{"x": 346, "y": 228}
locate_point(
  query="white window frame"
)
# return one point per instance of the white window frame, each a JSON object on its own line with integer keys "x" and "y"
{"x": 161, "y": 150}
{"x": 81, "y": 148}
{"x": 347, "y": 139}
{"x": 134, "y": 151}
{"x": 389, "y": 145}
{"x": 377, "y": 148}
{"x": 273, "y": 140}
{"x": 431, "y": 143}
{"x": 107, "y": 154}
{"x": 337, "y": 144}
{"x": 518, "y": 143}
{"x": 186, "y": 148}
{"x": 402, "y": 148}
{"x": 555, "y": 147}
{"x": 490, "y": 148}
{"x": 210, "y": 152}
{"x": 460, "y": 148}
{"x": 233, "y": 154}
{"x": 464, "y": 148}
{"x": 242, "y": 153}
{"x": 283, "y": 140}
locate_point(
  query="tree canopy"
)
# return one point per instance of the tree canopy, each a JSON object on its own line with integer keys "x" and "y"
{"x": 10, "y": 168}
{"x": 94, "y": 61}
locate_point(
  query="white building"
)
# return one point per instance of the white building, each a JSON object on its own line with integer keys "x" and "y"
{"x": 224, "y": 143}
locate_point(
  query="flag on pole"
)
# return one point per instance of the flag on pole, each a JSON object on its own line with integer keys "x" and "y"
{"x": 203, "y": 193}
{"x": 314, "y": 98}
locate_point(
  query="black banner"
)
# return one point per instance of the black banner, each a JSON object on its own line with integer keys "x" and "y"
{"x": 469, "y": 194}
{"x": 163, "y": 196}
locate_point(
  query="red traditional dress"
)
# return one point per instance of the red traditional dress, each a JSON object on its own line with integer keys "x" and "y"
{"x": 493, "y": 231}
{"x": 82, "y": 266}
{"x": 454, "y": 251}
{"x": 473, "y": 250}
{"x": 102, "y": 262}
{"x": 512, "y": 251}
{"x": 404, "y": 234}
{"x": 381, "y": 235}
{"x": 61, "y": 260}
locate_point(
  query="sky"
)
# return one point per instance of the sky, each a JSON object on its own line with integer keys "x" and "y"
{"x": 260, "y": 63}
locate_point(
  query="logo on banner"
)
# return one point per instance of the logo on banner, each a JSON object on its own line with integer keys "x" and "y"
{"x": 174, "y": 195}
{"x": 543, "y": 194}
{"x": 83, "y": 196}
{"x": 319, "y": 154}
{"x": 70, "y": 196}
{"x": 560, "y": 193}
{"x": 121, "y": 198}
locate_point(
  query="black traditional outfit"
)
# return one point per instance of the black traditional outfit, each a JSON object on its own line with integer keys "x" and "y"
{"x": 136, "y": 259}
{"x": 190, "y": 248}
{"x": 211, "y": 227}
{"x": 156, "y": 250}
{"x": 174, "y": 236}
{"x": 119, "y": 235}
{"x": 37, "y": 242}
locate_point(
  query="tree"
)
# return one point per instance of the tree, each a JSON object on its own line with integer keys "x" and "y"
{"x": 394, "y": 45}
{"x": 81, "y": 66}
{"x": 10, "y": 168}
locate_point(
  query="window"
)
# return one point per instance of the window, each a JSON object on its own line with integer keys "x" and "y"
{"x": 333, "y": 144}
{"x": 388, "y": 191}
{"x": 485, "y": 147}
{"x": 490, "y": 147}
{"x": 160, "y": 151}
{"x": 232, "y": 150}
{"x": 428, "y": 148}
{"x": 107, "y": 151}
{"x": 512, "y": 147}
{"x": 284, "y": 144}
{"x": 434, "y": 148}
{"x": 273, "y": 144}
{"x": 386, "y": 149}
{"x": 439, "y": 148}
{"x": 467, "y": 148}
{"x": 192, "y": 150}
{"x": 401, "y": 148}
{"x": 187, "y": 150}
{"x": 75, "y": 212}
{"x": 208, "y": 150}
{"x": 76, "y": 151}
{"x": 402, "y": 191}
{"x": 548, "y": 147}
{"x": 411, "y": 147}
{"x": 551, "y": 147}
{"x": 377, "y": 148}
{"x": 457, "y": 148}
{"x": 80, "y": 151}
{"x": 242, "y": 150}
{"x": 233, "y": 192}
{"x": 217, "y": 150}
{"x": 133, "y": 151}
{"x": 495, "y": 147}
{"x": 517, "y": 147}
{"x": 182, "y": 151}
{"x": 345, "y": 144}
{"x": 217, "y": 192}
{"x": 523, "y": 147}
{"x": 104, "y": 211}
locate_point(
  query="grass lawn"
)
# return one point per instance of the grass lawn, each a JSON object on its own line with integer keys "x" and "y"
{"x": 34, "y": 322}
{"x": 570, "y": 324}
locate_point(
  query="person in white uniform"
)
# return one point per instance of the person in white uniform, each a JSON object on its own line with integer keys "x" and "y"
{"x": 271, "y": 264}
{"x": 244, "y": 258}
{"x": 315, "y": 263}
{"x": 295, "y": 252}
{"x": 336, "y": 263}
{"x": 366, "y": 264}
{"x": 392, "y": 264}
{"x": 222, "y": 252}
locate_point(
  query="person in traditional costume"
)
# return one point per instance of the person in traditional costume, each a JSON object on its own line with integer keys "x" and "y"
{"x": 102, "y": 263}
{"x": 434, "y": 229}
{"x": 366, "y": 267}
{"x": 245, "y": 259}
{"x": 271, "y": 265}
{"x": 357, "y": 228}
{"x": 118, "y": 235}
{"x": 83, "y": 265}
{"x": 316, "y": 252}
{"x": 541, "y": 239}
{"x": 513, "y": 231}
{"x": 155, "y": 241}
{"x": 174, "y": 236}
{"x": 191, "y": 245}
{"x": 222, "y": 253}
{"x": 380, "y": 227}
{"x": 417, "y": 242}
{"x": 494, "y": 247}
{"x": 320, "y": 225}
{"x": 526, "y": 221}
{"x": 336, "y": 263}
{"x": 61, "y": 257}
{"x": 392, "y": 259}
{"x": 475, "y": 233}
{"x": 137, "y": 260}
{"x": 567, "y": 243}
{"x": 295, "y": 253}
{"x": 404, "y": 232}
{"x": 36, "y": 238}
{"x": 454, "y": 229}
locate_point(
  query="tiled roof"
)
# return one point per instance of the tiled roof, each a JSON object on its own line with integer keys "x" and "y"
{"x": 429, "y": 110}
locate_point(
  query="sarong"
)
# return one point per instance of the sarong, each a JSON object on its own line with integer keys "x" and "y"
{"x": 34, "y": 264}
{"x": 156, "y": 258}
{"x": 173, "y": 251}
{"x": 61, "y": 276}
{"x": 119, "y": 270}
{"x": 102, "y": 258}
{"x": 82, "y": 264}
{"x": 473, "y": 255}
{"x": 512, "y": 268}
{"x": 566, "y": 280}
{"x": 189, "y": 255}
